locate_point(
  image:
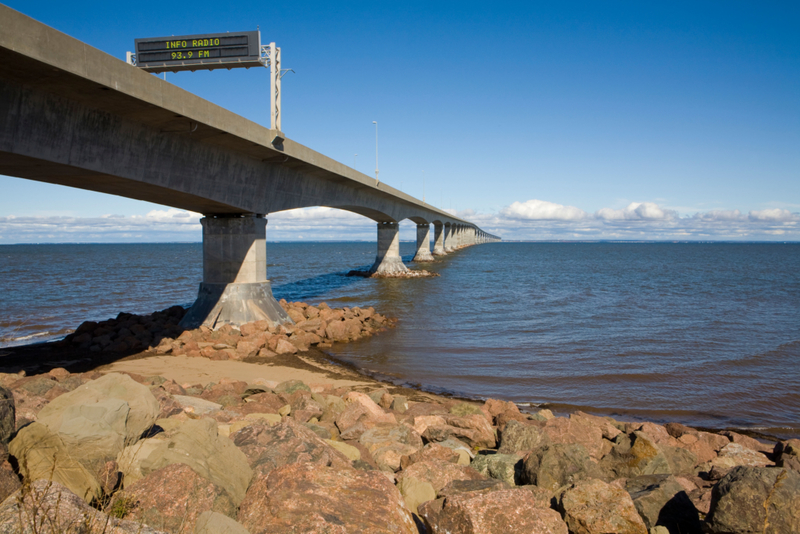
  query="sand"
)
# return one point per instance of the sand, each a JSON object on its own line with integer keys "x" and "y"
{"x": 185, "y": 370}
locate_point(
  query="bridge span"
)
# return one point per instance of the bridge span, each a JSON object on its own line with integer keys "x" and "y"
{"x": 73, "y": 115}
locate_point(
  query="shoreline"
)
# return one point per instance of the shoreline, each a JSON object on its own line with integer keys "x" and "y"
{"x": 317, "y": 366}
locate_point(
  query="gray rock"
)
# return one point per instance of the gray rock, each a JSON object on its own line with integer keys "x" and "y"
{"x": 662, "y": 501}
{"x": 505, "y": 467}
{"x": 41, "y": 455}
{"x": 199, "y": 406}
{"x": 756, "y": 499}
{"x": 557, "y": 465}
{"x": 290, "y": 386}
{"x": 196, "y": 443}
{"x": 96, "y": 420}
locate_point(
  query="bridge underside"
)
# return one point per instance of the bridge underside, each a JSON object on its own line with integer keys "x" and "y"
{"x": 72, "y": 115}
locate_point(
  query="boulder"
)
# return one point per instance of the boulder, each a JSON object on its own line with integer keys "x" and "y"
{"x": 593, "y": 507}
{"x": 8, "y": 415}
{"x": 196, "y": 443}
{"x": 733, "y": 455}
{"x": 505, "y": 467}
{"x": 211, "y": 522}
{"x": 429, "y": 452}
{"x": 662, "y": 500}
{"x": 522, "y": 437}
{"x": 172, "y": 498}
{"x": 748, "y": 442}
{"x": 9, "y": 481}
{"x": 557, "y": 465}
{"x": 756, "y": 499}
{"x": 473, "y": 429}
{"x": 439, "y": 473}
{"x": 510, "y": 511}
{"x": 388, "y": 443}
{"x": 632, "y": 456}
{"x": 569, "y": 431}
{"x": 48, "y": 507}
{"x": 359, "y": 407}
{"x": 113, "y": 408}
{"x": 457, "y": 487}
{"x": 268, "y": 447}
{"x": 42, "y": 455}
{"x": 605, "y": 424}
{"x": 307, "y": 497}
{"x": 415, "y": 492}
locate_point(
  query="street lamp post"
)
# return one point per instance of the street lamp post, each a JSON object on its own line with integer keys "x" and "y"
{"x": 376, "y": 151}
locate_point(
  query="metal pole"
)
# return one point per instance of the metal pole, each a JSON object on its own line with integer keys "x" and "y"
{"x": 278, "y": 89}
{"x": 376, "y": 151}
{"x": 273, "y": 116}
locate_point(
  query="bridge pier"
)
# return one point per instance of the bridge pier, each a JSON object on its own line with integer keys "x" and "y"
{"x": 438, "y": 240}
{"x": 423, "y": 243}
{"x": 388, "y": 260}
{"x": 448, "y": 238}
{"x": 235, "y": 289}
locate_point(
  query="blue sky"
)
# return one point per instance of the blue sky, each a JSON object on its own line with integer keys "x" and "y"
{"x": 536, "y": 120}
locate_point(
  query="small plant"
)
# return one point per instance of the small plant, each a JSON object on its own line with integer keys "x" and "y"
{"x": 121, "y": 506}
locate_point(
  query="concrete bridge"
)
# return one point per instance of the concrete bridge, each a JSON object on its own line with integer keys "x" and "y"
{"x": 73, "y": 115}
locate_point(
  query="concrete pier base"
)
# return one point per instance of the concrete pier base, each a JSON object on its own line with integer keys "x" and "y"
{"x": 388, "y": 260}
{"x": 235, "y": 289}
{"x": 438, "y": 240}
{"x": 448, "y": 238}
{"x": 423, "y": 243}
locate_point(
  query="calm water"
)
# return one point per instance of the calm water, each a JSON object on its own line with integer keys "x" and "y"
{"x": 705, "y": 334}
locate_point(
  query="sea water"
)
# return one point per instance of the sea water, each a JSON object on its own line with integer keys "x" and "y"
{"x": 707, "y": 334}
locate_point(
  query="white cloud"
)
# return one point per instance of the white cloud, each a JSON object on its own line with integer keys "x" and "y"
{"x": 536, "y": 210}
{"x": 641, "y": 211}
{"x": 529, "y": 220}
{"x": 774, "y": 215}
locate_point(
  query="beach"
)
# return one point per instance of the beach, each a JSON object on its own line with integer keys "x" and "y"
{"x": 258, "y": 429}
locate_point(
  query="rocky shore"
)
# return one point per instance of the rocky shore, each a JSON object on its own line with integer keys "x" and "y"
{"x": 115, "y": 449}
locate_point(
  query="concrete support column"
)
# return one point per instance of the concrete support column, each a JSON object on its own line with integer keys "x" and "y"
{"x": 457, "y": 244}
{"x": 388, "y": 260}
{"x": 235, "y": 289}
{"x": 448, "y": 238}
{"x": 423, "y": 243}
{"x": 438, "y": 240}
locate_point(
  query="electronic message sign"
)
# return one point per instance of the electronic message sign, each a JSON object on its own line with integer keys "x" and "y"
{"x": 199, "y": 52}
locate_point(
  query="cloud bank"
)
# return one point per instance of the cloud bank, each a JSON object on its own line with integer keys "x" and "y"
{"x": 529, "y": 220}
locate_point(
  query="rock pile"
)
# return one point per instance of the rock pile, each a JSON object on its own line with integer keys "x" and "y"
{"x": 126, "y": 453}
{"x": 159, "y": 332}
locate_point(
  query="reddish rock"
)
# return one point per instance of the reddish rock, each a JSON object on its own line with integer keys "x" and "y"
{"x": 283, "y": 346}
{"x": 605, "y": 424}
{"x": 748, "y": 442}
{"x": 9, "y": 481}
{"x": 47, "y": 507}
{"x": 594, "y": 507}
{"x": 431, "y": 451}
{"x": 167, "y": 404}
{"x": 359, "y": 407}
{"x": 312, "y": 498}
{"x": 519, "y": 437}
{"x": 267, "y": 448}
{"x": 561, "y": 430}
{"x": 171, "y": 498}
{"x": 440, "y": 473}
{"x": 510, "y": 511}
